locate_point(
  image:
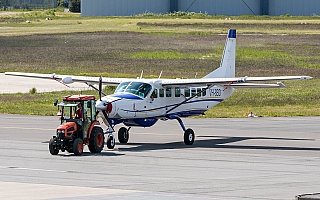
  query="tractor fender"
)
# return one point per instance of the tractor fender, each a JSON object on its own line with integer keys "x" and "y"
{"x": 93, "y": 124}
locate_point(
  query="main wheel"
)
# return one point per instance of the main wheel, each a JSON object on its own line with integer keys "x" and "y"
{"x": 111, "y": 142}
{"x": 189, "y": 136}
{"x": 96, "y": 140}
{"x": 77, "y": 146}
{"x": 123, "y": 135}
{"x": 52, "y": 150}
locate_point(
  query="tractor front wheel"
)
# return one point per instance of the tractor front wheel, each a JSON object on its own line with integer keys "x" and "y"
{"x": 78, "y": 146}
{"x": 52, "y": 149}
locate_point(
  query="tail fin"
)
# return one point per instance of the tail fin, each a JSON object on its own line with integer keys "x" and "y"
{"x": 227, "y": 65}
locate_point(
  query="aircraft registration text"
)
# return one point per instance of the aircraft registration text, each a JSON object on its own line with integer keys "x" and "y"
{"x": 216, "y": 92}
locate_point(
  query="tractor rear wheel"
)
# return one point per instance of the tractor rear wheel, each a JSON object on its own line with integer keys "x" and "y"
{"x": 52, "y": 150}
{"x": 78, "y": 146}
{"x": 96, "y": 140}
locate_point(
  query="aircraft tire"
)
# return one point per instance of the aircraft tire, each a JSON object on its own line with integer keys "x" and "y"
{"x": 111, "y": 142}
{"x": 78, "y": 146}
{"x": 123, "y": 135}
{"x": 96, "y": 140}
{"x": 189, "y": 136}
{"x": 52, "y": 150}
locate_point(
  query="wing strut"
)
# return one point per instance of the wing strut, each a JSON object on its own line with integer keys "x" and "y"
{"x": 92, "y": 86}
{"x": 176, "y": 106}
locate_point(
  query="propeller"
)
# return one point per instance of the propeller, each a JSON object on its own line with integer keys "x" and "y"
{"x": 100, "y": 87}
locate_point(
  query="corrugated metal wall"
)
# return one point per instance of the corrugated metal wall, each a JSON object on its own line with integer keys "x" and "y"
{"x": 123, "y": 7}
{"x": 221, "y": 7}
{"x": 212, "y": 7}
{"x": 294, "y": 7}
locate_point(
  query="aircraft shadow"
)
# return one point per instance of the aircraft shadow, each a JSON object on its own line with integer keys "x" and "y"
{"x": 218, "y": 142}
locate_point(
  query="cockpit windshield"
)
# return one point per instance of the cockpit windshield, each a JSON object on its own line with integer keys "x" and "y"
{"x": 137, "y": 88}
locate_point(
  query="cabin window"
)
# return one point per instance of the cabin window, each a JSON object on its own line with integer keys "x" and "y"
{"x": 199, "y": 92}
{"x": 193, "y": 91}
{"x": 204, "y": 92}
{"x": 154, "y": 94}
{"x": 168, "y": 92}
{"x": 161, "y": 92}
{"x": 177, "y": 92}
{"x": 187, "y": 92}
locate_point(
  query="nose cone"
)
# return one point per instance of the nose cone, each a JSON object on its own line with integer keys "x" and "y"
{"x": 107, "y": 104}
{"x": 101, "y": 105}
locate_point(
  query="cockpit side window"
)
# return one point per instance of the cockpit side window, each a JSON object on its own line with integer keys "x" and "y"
{"x": 137, "y": 88}
{"x": 122, "y": 87}
{"x": 154, "y": 93}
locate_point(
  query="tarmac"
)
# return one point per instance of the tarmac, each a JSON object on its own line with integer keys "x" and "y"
{"x": 15, "y": 84}
{"x": 244, "y": 158}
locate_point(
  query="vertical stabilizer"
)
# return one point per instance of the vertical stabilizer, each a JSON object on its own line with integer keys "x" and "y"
{"x": 227, "y": 65}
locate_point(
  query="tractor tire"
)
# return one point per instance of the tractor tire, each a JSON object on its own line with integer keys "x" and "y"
{"x": 96, "y": 140}
{"x": 77, "y": 146}
{"x": 52, "y": 150}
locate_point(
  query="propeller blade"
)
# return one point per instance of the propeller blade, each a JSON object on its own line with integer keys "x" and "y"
{"x": 100, "y": 87}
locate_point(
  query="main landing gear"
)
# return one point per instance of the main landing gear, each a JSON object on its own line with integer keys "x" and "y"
{"x": 123, "y": 135}
{"x": 188, "y": 136}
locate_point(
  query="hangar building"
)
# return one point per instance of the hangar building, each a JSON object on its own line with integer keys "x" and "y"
{"x": 212, "y": 7}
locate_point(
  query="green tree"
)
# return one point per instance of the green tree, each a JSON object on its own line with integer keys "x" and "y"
{"x": 74, "y": 6}
{"x": 4, "y": 4}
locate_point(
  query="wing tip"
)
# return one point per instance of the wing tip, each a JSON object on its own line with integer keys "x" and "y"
{"x": 305, "y": 77}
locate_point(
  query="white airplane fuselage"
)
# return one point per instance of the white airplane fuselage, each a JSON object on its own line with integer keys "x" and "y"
{"x": 128, "y": 103}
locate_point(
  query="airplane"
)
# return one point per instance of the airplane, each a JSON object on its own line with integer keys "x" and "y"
{"x": 142, "y": 102}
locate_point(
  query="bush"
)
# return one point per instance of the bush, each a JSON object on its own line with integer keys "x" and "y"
{"x": 32, "y": 91}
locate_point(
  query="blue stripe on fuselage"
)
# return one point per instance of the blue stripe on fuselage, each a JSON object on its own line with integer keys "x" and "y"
{"x": 127, "y": 96}
{"x": 168, "y": 106}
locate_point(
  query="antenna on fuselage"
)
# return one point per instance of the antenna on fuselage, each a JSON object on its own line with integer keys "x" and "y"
{"x": 195, "y": 76}
{"x": 160, "y": 75}
{"x": 141, "y": 74}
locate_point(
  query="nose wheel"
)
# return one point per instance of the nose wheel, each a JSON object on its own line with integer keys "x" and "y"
{"x": 111, "y": 142}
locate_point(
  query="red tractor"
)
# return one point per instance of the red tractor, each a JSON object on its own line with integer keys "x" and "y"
{"x": 79, "y": 126}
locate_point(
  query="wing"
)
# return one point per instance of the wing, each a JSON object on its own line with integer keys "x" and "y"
{"x": 70, "y": 79}
{"x": 244, "y": 82}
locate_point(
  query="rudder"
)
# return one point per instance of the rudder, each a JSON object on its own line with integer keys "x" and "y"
{"x": 227, "y": 65}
